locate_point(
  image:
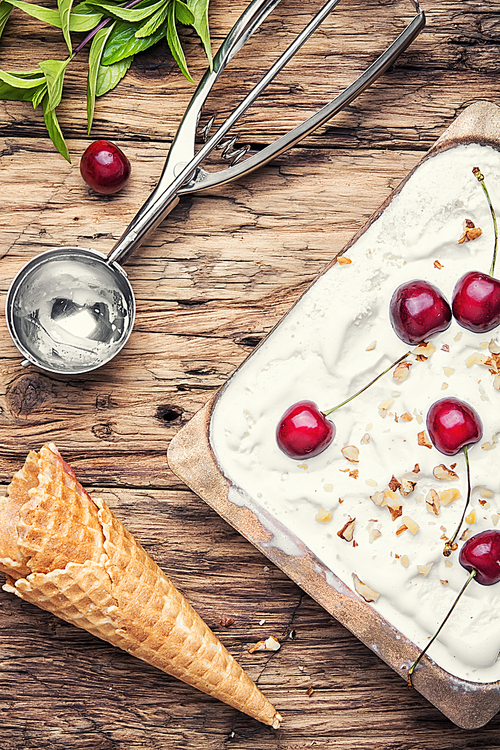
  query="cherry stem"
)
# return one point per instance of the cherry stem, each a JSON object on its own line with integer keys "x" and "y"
{"x": 450, "y": 545}
{"x": 472, "y": 575}
{"x": 100, "y": 26}
{"x": 480, "y": 177}
{"x": 363, "y": 389}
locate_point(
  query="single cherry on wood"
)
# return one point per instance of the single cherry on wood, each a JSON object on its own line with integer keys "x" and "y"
{"x": 104, "y": 167}
{"x": 453, "y": 425}
{"x": 480, "y": 555}
{"x": 476, "y": 297}
{"x": 417, "y": 310}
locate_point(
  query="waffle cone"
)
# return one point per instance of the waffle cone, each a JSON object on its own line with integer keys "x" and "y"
{"x": 68, "y": 554}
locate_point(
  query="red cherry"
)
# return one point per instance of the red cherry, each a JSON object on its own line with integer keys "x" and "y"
{"x": 482, "y": 553}
{"x": 104, "y": 167}
{"x": 417, "y": 310}
{"x": 452, "y": 424}
{"x": 303, "y": 430}
{"x": 476, "y": 302}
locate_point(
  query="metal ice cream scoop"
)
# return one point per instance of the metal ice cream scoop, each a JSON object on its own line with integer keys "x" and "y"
{"x": 70, "y": 310}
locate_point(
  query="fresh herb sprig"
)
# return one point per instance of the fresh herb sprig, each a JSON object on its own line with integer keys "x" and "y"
{"x": 117, "y": 32}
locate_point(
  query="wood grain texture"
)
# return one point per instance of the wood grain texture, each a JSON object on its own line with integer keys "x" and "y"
{"x": 212, "y": 281}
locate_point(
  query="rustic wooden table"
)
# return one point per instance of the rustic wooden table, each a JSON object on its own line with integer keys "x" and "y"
{"x": 210, "y": 283}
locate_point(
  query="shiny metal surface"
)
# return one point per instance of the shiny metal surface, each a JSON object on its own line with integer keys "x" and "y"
{"x": 70, "y": 330}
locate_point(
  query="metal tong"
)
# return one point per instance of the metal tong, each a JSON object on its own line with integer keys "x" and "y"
{"x": 183, "y": 173}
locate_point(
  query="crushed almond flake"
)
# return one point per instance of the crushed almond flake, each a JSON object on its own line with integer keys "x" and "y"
{"x": 328, "y": 487}
{"x": 410, "y": 524}
{"x": 495, "y": 518}
{"x": 496, "y": 383}
{"x": 437, "y": 264}
{"x": 424, "y": 570}
{"x": 444, "y": 582}
{"x": 324, "y": 516}
{"x": 443, "y": 473}
{"x": 407, "y": 487}
{"x": 365, "y": 439}
{"x": 425, "y": 349}
{"x": 449, "y": 496}
{"x": 368, "y": 594}
{"x": 354, "y": 473}
{"x": 270, "y": 644}
{"x": 448, "y": 371}
{"x": 494, "y": 347}
{"x": 384, "y": 407}
{"x": 466, "y": 535}
{"x": 406, "y": 417}
{"x": 471, "y": 518}
{"x": 401, "y": 372}
{"x": 432, "y": 502}
{"x": 476, "y": 358}
{"x": 401, "y": 529}
{"x": 444, "y": 386}
{"x": 405, "y": 561}
{"x": 343, "y": 260}
{"x": 471, "y": 232}
{"x": 371, "y": 482}
{"x": 351, "y": 453}
{"x": 485, "y": 492}
{"x": 423, "y": 439}
{"x": 484, "y": 503}
{"x": 374, "y": 534}
{"x": 371, "y": 346}
{"x": 394, "y": 484}
{"x": 416, "y": 469}
{"x": 487, "y": 446}
{"x": 445, "y": 348}
{"x": 347, "y": 530}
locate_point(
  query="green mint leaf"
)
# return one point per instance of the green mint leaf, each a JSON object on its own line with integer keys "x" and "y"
{"x": 54, "y": 71}
{"x": 199, "y": 9}
{"x": 123, "y": 43}
{"x": 183, "y": 14}
{"x": 110, "y": 76}
{"x": 95, "y": 55}
{"x": 52, "y": 125}
{"x": 29, "y": 80}
{"x": 175, "y": 44}
{"x": 83, "y": 18}
{"x": 5, "y": 11}
{"x": 129, "y": 14}
{"x": 77, "y": 21}
{"x": 38, "y": 94}
{"x": 64, "y": 7}
{"x": 14, "y": 94}
{"x": 152, "y": 24}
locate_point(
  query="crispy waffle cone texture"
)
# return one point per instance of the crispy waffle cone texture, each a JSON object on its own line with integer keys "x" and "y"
{"x": 68, "y": 554}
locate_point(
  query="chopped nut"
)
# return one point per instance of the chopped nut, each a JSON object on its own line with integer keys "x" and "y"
{"x": 442, "y": 472}
{"x": 449, "y": 496}
{"x": 471, "y": 232}
{"x": 324, "y": 516}
{"x": 378, "y": 498}
{"x": 416, "y": 469}
{"x": 424, "y": 570}
{"x": 401, "y": 372}
{"x": 437, "y": 264}
{"x": 496, "y": 383}
{"x": 476, "y": 358}
{"x": 425, "y": 349}
{"x": 226, "y": 622}
{"x": 494, "y": 347}
{"x": 448, "y": 371}
{"x": 354, "y": 473}
{"x": 484, "y": 503}
{"x": 444, "y": 582}
{"x": 466, "y": 535}
{"x": 410, "y": 524}
{"x": 347, "y": 530}
{"x": 384, "y": 407}
{"x": 423, "y": 439}
{"x": 394, "y": 484}
{"x": 374, "y": 534}
{"x": 407, "y": 487}
{"x": 432, "y": 502}
{"x": 365, "y": 439}
{"x": 404, "y": 561}
{"x": 401, "y": 529}
{"x": 371, "y": 346}
{"x": 343, "y": 260}
{"x": 487, "y": 446}
{"x": 351, "y": 453}
{"x": 371, "y": 482}
{"x": 406, "y": 417}
{"x": 309, "y": 691}
{"x": 445, "y": 348}
{"x": 328, "y": 487}
{"x": 471, "y": 518}
{"x": 368, "y": 594}
{"x": 270, "y": 644}
{"x": 495, "y": 518}
{"x": 485, "y": 493}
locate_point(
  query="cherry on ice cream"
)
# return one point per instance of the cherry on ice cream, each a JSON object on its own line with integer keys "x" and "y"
{"x": 453, "y": 424}
{"x": 417, "y": 310}
{"x": 304, "y": 431}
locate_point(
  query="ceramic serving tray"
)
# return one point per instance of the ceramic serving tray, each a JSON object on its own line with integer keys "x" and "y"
{"x": 235, "y": 466}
